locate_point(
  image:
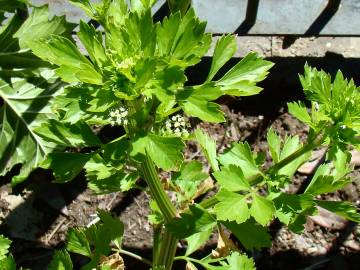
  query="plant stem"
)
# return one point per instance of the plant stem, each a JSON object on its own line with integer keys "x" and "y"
{"x": 164, "y": 256}
{"x": 156, "y": 189}
{"x": 135, "y": 256}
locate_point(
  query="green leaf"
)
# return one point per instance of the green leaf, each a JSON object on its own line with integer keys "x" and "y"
{"x": 240, "y": 261}
{"x": 274, "y": 143}
{"x": 224, "y": 50}
{"x": 179, "y": 5}
{"x": 25, "y": 108}
{"x": 65, "y": 166}
{"x": 299, "y": 110}
{"x": 232, "y": 178}
{"x": 92, "y": 41}
{"x": 195, "y": 102}
{"x": 198, "y": 220}
{"x": 64, "y": 134}
{"x": 61, "y": 261}
{"x": 192, "y": 172}
{"x": 291, "y": 145}
{"x": 241, "y": 79}
{"x": 196, "y": 240}
{"x": 113, "y": 226}
{"x": 8, "y": 263}
{"x": 289, "y": 206}
{"x": 188, "y": 179}
{"x": 231, "y": 207}
{"x": 183, "y": 39}
{"x": 4, "y": 246}
{"x": 208, "y": 146}
{"x": 103, "y": 177}
{"x": 77, "y": 242}
{"x": 39, "y": 26}
{"x": 251, "y": 235}
{"x": 240, "y": 155}
{"x": 166, "y": 152}
{"x": 73, "y": 66}
{"x": 262, "y": 209}
{"x": 344, "y": 209}
{"x": 324, "y": 182}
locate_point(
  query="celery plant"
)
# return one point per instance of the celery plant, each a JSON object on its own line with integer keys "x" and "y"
{"x": 133, "y": 77}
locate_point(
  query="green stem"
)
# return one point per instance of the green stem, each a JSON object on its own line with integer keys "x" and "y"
{"x": 157, "y": 190}
{"x": 135, "y": 256}
{"x": 165, "y": 250}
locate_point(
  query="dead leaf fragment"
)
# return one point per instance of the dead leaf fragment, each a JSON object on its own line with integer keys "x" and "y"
{"x": 224, "y": 246}
{"x": 114, "y": 261}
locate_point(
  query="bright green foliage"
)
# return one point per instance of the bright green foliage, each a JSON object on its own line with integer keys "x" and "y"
{"x": 279, "y": 151}
{"x": 208, "y": 146}
{"x": 232, "y": 178}
{"x": 7, "y": 262}
{"x": 240, "y": 155}
{"x": 4, "y": 247}
{"x": 94, "y": 242}
{"x": 132, "y": 77}
{"x": 188, "y": 179}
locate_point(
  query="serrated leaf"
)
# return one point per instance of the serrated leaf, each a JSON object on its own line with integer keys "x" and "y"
{"x": 65, "y": 166}
{"x": 61, "y": 261}
{"x": 232, "y": 178}
{"x": 251, "y": 235}
{"x": 39, "y": 26}
{"x": 8, "y": 263}
{"x": 195, "y": 102}
{"x": 344, "y": 209}
{"x": 103, "y": 177}
{"x": 289, "y": 206}
{"x": 77, "y": 242}
{"x": 73, "y": 66}
{"x": 274, "y": 143}
{"x": 231, "y": 207}
{"x": 113, "y": 226}
{"x": 166, "y": 152}
{"x": 240, "y": 261}
{"x": 4, "y": 246}
{"x": 183, "y": 39}
{"x": 68, "y": 135}
{"x": 224, "y": 49}
{"x": 196, "y": 240}
{"x": 262, "y": 209}
{"x": 291, "y": 145}
{"x": 241, "y": 79}
{"x": 208, "y": 146}
{"x": 324, "y": 182}
{"x": 92, "y": 41}
{"x": 197, "y": 220}
{"x": 240, "y": 155}
{"x": 188, "y": 179}
{"x": 299, "y": 110}
{"x": 25, "y": 108}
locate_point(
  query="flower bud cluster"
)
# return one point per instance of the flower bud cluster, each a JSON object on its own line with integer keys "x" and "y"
{"x": 176, "y": 125}
{"x": 119, "y": 117}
